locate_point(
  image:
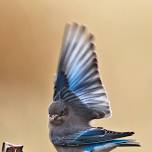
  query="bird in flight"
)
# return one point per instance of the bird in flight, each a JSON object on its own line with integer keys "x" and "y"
{"x": 79, "y": 97}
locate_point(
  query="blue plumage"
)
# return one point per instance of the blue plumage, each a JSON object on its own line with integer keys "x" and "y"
{"x": 78, "y": 72}
{"x": 110, "y": 144}
{"x": 79, "y": 97}
{"x": 89, "y": 136}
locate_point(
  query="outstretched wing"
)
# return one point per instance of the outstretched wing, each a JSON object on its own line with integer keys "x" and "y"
{"x": 89, "y": 137}
{"x": 78, "y": 79}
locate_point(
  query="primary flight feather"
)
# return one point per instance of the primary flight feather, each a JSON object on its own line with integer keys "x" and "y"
{"x": 77, "y": 76}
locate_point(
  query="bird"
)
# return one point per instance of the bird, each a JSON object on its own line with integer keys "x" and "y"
{"x": 79, "y": 97}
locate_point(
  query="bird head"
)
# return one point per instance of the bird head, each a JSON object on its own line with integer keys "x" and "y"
{"x": 58, "y": 113}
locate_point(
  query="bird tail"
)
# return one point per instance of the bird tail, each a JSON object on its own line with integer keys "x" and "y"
{"x": 127, "y": 143}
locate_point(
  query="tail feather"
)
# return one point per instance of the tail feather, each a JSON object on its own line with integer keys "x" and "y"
{"x": 128, "y": 143}
{"x": 108, "y": 146}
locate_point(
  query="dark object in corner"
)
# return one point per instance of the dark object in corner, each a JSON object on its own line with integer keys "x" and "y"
{"x": 8, "y": 147}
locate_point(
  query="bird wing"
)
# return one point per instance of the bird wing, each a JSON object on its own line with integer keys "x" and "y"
{"x": 78, "y": 79}
{"x": 89, "y": 136}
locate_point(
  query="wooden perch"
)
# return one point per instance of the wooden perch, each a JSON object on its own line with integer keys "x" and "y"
{"x": 8, "y": 147}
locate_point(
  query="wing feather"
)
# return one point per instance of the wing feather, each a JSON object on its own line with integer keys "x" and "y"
{"x": 89, "y": 136}
{"x": 78, "y": 77}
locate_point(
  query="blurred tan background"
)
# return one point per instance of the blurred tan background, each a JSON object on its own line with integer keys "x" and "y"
{"x": 30, "y": 39}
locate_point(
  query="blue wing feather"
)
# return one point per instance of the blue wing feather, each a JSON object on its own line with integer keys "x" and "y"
{"x": 89, "y": 136}
{"x": 78, "y": 72}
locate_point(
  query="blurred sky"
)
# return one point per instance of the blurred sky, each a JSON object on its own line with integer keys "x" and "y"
{"x": 30, "y": 39}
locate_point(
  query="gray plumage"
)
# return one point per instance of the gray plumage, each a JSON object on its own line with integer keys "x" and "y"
{"x": 79, "y": 97}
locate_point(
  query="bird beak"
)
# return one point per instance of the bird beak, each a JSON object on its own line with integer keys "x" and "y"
{"x": 52, "y": 118}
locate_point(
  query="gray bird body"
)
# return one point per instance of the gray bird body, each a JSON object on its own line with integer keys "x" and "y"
{"x": 77, "y": 124}
{"x": 79, "y": 97}
{"x": 74, "y": 124}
